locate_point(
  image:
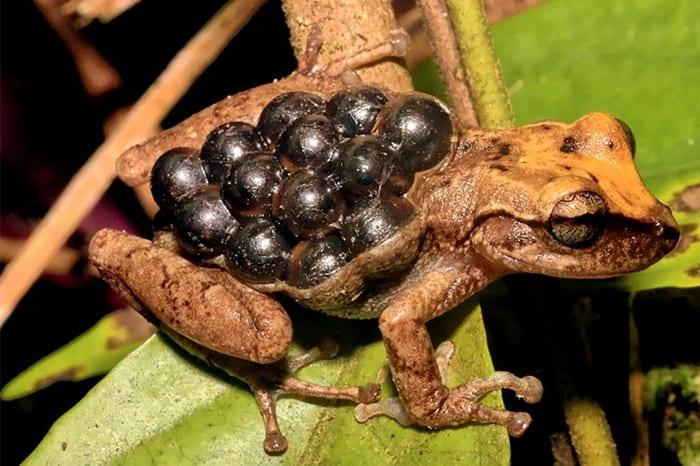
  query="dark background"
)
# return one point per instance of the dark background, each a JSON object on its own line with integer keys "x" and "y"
{"x": 50, "y": 126}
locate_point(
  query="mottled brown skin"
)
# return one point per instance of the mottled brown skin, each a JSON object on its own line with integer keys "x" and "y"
{"x": 483, "y": 213}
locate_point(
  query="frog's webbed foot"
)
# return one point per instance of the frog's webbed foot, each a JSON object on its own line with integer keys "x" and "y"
{"x": 526, "y": 388}
{"x": 393, "y": 407}
{"x": 269, "y": 382}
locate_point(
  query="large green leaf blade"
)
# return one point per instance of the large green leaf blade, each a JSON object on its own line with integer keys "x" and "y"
{"x": 160, "y": 406}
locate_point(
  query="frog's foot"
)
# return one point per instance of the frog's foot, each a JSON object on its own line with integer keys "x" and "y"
{"x": 395, "y": 45}
{"x": 393, "y": 407}
{"x": 465, "y": 398}
{"x": 269, "y": 382}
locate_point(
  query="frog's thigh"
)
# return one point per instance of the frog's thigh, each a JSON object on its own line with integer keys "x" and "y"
{"x": 415, "y": 371}
{"x": 205, "y": 305}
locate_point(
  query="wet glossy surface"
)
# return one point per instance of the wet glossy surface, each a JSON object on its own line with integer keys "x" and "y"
{"x": 311, "y": 262}
{"x": 227, "y": 145}
{"x": 354, "y": 110}
{"x": 372, "y": 221}
{"x": 419, "y": 129}
{"x": 250, "y": 185}
{"x": 310, "y": 142}
{"x": 174, "y": 174}
{"x": 307, "y": 204}
{"x": 258, "y": 252}
{"x": 203, "y": 223}
{"x": 284, "y": 109}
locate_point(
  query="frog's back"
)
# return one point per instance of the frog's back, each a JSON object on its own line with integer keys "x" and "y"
{"x": 315, "y": 199}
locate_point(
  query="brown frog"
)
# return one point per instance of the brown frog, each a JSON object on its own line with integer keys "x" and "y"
{"x": 550, "y": 198}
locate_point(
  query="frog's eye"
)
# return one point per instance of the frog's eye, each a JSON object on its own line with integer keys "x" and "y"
{"x": 578, "y": 219}
{"x": 630, "y": 136}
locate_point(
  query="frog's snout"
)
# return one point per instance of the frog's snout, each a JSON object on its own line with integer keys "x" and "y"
{"x": 666, "y": 230}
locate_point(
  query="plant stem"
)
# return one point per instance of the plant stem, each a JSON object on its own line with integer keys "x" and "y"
{"x": 347, "y": 27}
{"x": 590, "y": 433}
{"x": 479, "y": 60}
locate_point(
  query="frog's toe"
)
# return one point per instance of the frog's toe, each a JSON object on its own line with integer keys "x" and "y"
{"x": 391, "y": 407}
{"x": 518, "y": 424}
{"x": 527, "y": 388}
{"x": 327, "y": 349}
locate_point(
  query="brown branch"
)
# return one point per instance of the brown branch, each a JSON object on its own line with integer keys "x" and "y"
{"x": 98, "y": 76}
{"x": 347, "y": 28}
{"x": 447, "y": 56}
{"x": 93, "y": 179}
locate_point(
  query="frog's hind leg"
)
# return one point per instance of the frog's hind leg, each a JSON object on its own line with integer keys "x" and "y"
{"x": 269, "y": 382}
{"x": 217, "y": 319}
{"x": 204, "y": 304}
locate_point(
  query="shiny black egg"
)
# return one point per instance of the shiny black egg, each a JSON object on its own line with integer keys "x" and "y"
{"x": 227, "y": 145}
{"x": 203, "y": 223}
{"x": 307, "y": 204}
{"x": 258, "y": 252}
{"x": 249, "y": 186}
{"x": 312, "y": 262}
{"x": 419, "y": 128}
{"x": 175, "y": 173}
{"x": 284, "y": 110}
{"x": 310, "y": 142}
{"x": 354, "y": 110}
{"x": 372, "y": 221}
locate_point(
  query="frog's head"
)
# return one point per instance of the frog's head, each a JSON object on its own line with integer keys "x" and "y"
{"x": 567, "y": 200}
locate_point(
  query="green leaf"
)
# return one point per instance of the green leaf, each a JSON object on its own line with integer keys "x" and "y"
{"x": 92, "y": 353}
{"x": 158, "y": 406}
{"x": 639, "y": 60}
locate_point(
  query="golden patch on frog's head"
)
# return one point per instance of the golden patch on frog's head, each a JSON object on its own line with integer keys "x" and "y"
{"x": 567, "y": 200}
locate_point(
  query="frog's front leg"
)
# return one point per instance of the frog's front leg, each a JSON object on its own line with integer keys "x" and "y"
{"x": 218, "y": 319}
{"x": 426, "y": 399}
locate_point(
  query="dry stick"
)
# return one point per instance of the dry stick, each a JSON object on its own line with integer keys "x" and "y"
{"x": 104, "y": 10}
{"x": 496, "y": 10}
{"x": 446, "y": 53}
{"x": 62, "y": 263}
{"x": 347, "y": 27}
{"x": 97, "y": 75}
{"x": 93, "y": 179}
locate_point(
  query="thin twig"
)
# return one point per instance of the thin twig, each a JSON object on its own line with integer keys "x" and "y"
{"x": 411, "y": 21}
{"x": 93, "y": 179}
{"x": 636, "y": 394}
{"x": 98, "y": 76}
{"x": 590, "y": 433}
{"x": 103, "y": 10}
{"x": 562, "y": 450}
{"x": 62, "y": 263}
{"x": 447, "y": 55}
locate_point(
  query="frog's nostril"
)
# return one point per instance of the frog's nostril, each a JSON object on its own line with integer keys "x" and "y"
{"x": 669, "y": 234}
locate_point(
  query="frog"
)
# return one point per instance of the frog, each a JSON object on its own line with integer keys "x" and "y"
{"x": 552, "y": 198}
